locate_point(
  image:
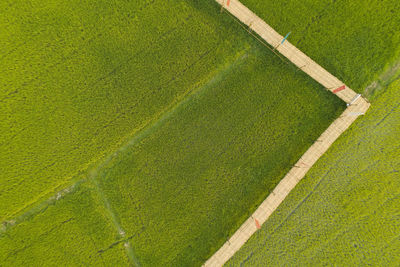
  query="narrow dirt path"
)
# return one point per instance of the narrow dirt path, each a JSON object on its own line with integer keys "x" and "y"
{"x": 356, "y": 106}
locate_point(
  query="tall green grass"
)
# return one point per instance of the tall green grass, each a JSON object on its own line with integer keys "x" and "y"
{"x": 187, "y": 182}
{"x": 78, "y": 78}
{"x": 197, "y": 120}
{"x": 72, "y": 231}
{"x": 346, "y": 210}
{"x": 354, "y": 40}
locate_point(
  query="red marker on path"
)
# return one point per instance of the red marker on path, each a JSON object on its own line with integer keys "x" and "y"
{"x": 228, "y": 2}
{"x": 257, "y": 224}
{"x": 339, "y": 89}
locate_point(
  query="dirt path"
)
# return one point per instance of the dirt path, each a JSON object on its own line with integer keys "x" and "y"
{"x": 357, "y": 106}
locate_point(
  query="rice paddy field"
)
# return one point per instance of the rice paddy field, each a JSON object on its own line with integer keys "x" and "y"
{"x": 353, "y": 40}
{"x": 192, "y": 175}
{"x": 79, "y": 79}
{"x": 141, "y": 132}
{"x": 145, "y": 132}
{"x": 346, "y": 210}
{"x": 73, "y": 229}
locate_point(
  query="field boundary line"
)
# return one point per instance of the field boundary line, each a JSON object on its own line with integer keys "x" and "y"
{"x": 356, "y": 106}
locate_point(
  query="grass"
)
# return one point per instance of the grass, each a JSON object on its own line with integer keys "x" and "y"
{"x": 193, "y": 120}
{"x": 169, "y": 189}
{"x": 73, "y": 231}
{"x": 204, "y": 125}
{"x": 355, "y": 41}
{"x": 78, "y": 79}
{"x": 188, "y": 181}
{"x": 345, "y": 211}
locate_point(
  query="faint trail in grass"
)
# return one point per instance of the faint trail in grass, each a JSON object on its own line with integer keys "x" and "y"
{"x": 13, "y": 136}
{"x": 114, "y": 220}
{"x": 95, "y": 246}
{"x": 15, "y": 48}
{"x": 389, "y": 243}
{"x": 246, "y": 259}
{"x": 42, "y": 207}
{"x": 391, "y": 74}
{"x": 143, "y": 133}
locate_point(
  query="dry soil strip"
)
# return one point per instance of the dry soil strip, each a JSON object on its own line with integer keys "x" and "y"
{"x": 357, "y": 106}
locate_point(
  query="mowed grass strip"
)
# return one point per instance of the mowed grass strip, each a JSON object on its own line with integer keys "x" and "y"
{"x": 353, "y": 40}
{"x": 184, "y": 186}
{"x": 78, "y": 78}
{"x": 346, "y": 210}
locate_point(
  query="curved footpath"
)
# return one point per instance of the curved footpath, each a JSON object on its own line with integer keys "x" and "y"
{"x": 356, "y": 106}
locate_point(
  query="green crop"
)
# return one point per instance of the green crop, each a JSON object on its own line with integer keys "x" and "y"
{"x": 188, "y": 181}
{"x": 206, "y": 119}
{"x": 346, "y": 210}
{"x": 72, "y": 230}
{"x": 79, "y": 78}
{"x": 354, "y": 40}
{"x": 171, "y": 120}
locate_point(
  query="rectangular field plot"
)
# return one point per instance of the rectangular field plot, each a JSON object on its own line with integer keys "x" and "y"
{"x": 78, "y": 78}
{"x": 182, "y": 186}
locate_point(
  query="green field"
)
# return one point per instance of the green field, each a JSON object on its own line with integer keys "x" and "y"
{"x": 346, "y": 210}
{"x": 181, "y": 186}
{"x": 79, "y": 79}
{"x": 72, "y": 231}
{"x": 353, "y": 40}
{"x": 164, "y": 123}
{"x": 195, "y": 175}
